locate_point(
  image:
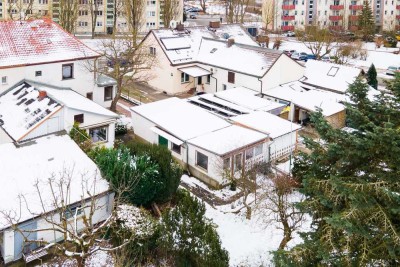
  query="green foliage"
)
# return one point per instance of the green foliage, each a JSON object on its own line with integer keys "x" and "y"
{"x": 351, "y": 183}
{"x": 169, "y": 172}
{"x": 371, "y": 77}
{"x": 120, "y": 129}
{"x": 81, "y": 137}
{"x": 366, "y": 22}
{"x": 134, "y": 177}
{"x": 189, "y": 236}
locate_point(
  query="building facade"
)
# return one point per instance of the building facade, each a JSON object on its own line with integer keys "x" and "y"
{"x": 107, "y": 13}
{"x": 338, "y": 15}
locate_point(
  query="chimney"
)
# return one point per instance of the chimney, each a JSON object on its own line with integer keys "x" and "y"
{"x": 180, "y": 27}
{"x": 42, "y": 95}
{"x": 231, "y": 41}
{"x": 214, "y": 24}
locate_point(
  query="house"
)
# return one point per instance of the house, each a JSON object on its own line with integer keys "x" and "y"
{"x": 215, "y": 58}
{"x": 30, "y": 109}
{"x": 302, "y": 100}
{"x": 41, "y": 51}
{"x": 283, "y": 133}
{"x": 329, "y": 76}
{"x": 201, "y": 141}
{"x": 21, "y": 167}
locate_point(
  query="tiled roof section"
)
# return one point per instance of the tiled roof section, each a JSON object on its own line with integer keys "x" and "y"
{"x": 38, "y": 41}
{"x": 21, "y": 110}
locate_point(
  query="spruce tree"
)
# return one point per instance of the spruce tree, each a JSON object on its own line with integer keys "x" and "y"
{"x": 366, "y": 22}
{"x": 351, "y": 180}
{"x": 371, "y": 77}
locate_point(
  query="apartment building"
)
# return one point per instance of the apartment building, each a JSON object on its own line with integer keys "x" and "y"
{"x": 338, "y": 15}
{"x": 108, "y": 12}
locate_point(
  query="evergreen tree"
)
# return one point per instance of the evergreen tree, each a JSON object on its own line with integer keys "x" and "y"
{"x": 371, "y": 77}
{"x": 366, "y": 22}
{"x": 351, "y": 180}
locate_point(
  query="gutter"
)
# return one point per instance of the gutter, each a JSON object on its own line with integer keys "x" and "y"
{"x": 216, "y": 82}
{"x": 259, "y": 79}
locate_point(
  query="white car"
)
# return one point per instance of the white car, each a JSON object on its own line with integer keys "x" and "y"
{"x": 299, "y": 55}
{"x": 290, "y": 34}
{"x": 391, "y": 70}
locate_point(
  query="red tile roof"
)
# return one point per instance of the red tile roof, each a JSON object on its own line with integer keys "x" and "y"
{"x": 38, "y": 41}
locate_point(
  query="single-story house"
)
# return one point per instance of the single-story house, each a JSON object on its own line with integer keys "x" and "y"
{"x": 31, "y": 109}
{"x": 55, "y": 157}
{"x": 215, "y": 58}
{"x": 198, "y": 139}
{"x": 283, "y": 133}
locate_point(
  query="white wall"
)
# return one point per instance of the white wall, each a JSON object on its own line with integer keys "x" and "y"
{"x": 53, "y": 124}
{"x": 282, "y": 145}
{"x": 4, "y": 138}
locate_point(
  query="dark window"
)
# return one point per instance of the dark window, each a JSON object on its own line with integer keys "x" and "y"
{"x": 71, "y": 212}
{"x": 78, "y": 118}
{"x": 89, "y": 95}
{"x": 227, "y": 163}
{"x": 68, "y": 71}
{"x": 184, "y": 78}
{"x": 38, "y": 73}
{"x": 201, "y": 160}
{"x": 208, "y": 79}
{"x": 108, "y": 93}
{"x": 231, "y": 77}
{"x": 238, "y": 162}
{"x": 162, "y": 141}
{"x": 98, "y": 134}
{"x": 176, "y": 148}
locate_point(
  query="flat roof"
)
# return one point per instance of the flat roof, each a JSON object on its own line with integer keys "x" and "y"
{"x": 266, "y": 123}
{"x": 227, "y": 139}
{"x": 195, "y": 71}
{"x": 180, "y": 118}
{"x": 46, "y": 157}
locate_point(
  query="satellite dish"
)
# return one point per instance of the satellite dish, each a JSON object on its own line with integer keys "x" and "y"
{"x": 172, "y": 24}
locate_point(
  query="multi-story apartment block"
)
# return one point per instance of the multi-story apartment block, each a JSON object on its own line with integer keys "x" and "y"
{"x": 106, "y": 14}
{"x": 335, "y": 14}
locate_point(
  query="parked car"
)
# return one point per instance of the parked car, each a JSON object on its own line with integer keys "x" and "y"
{"x": 310, "y": 56}
{"x": 290, "y": 34}
{"x": 299, "y": 55}
{"x": 391, "y": 70}
{"x": 326, "y": 58}
{"x": 193, "y": 16}
{"x": 194, "y": 10}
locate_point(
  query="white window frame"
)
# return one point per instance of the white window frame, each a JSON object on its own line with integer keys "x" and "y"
{"x": 185, "y": 78}
{"x": 96, "y": 139}
{"x": 197, "y": 158}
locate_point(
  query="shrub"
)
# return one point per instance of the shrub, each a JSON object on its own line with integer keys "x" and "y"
{"x": 81, "y": 137}
{"x": 120, "y": 129}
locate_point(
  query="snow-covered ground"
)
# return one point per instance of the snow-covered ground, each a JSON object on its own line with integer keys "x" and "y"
{"x": 97, "y": 259}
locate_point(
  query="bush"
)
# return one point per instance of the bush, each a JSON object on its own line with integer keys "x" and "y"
{"x": 120, "y": 129}
{"x": 81, "y": 137}
{"x": 169, "y": 171}
{"x": 189, "y": 236}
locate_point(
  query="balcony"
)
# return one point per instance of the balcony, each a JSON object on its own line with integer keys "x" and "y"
{"x": 397, "y": 16}
{"x": 353, "y": 17}
{"x": 335, "y": 18}
{"x": 353, "y": 28}
{"x": 287, "y": 18}
{"x": 355, "y": 7}
{"x": 337, "y": 7}
{"x": 336, "y": 28}
{"x": 398, "y": 7}
{"x": 287, "y": 28}
{"x": 288, "y": 7}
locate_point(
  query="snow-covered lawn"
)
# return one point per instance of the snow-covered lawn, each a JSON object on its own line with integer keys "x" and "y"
{"x": 97, "y": 259}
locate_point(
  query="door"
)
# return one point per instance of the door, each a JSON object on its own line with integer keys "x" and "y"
{"x": 199, "y": 82}
{"x": 162, "y": 141}
{"x": 19, "y": 244}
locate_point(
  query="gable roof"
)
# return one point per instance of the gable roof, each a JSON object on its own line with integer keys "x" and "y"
{"x": 37, "y": 42}
{"x": 21, "y": 110}
{"x": 330, "y": 76}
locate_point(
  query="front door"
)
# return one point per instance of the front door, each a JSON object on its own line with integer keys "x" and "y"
{"x": 199, "y": 80}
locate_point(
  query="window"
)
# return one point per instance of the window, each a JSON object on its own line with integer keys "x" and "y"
{"x": 162, "y": 141}
{"x": 152, "y": 51}
{"x": 184, "y": 78}
{"x": 83, "y": 12}
{"x": 38, "y": 73}
{"x": 231, "y": 77}
{"x": 151, "y": 13}
{"x": 201, "y": 160}
{"x": 332, "y": 72}
{"x": 108, "y": 93}
{"x": 83, "y": 23}
{"x": 4, "y": 80}
{"x": 249, "y": 153}
{"x": 176, "y": 148}
{"x": 98, "y": 134}
{"x": 99, "y": 23}
{"x": 70, "y": 212}
{"x": 83, "y": 2}
{"x": 44, "y": 2}
{"x": 67, "y": 71}
{"x": 89, "y": 95}
{"x": 208, "y": 79}
{"x": 258, "y": 150}
{"x": 78, "y": 118}
{"x": 99, "y": 13}
{"x": 227, "y": 164}
{"x": 238, "y": 162}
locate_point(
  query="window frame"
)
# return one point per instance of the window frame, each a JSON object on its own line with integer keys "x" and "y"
{"x": 153, "y": 51}
{"x": 89, "y": 95}
{"x": 38, "y": 73}
{"x": 208, "y": 79}
{"x": 183, "y": 77}
{"x": 197, "y": 161}
{"x": 91, "y": 135}
{"x": 235, "y": 164}
{"x": 108, "y": 98}
{"x": 174, "y": 148}
{"x": 4, "y": 80}
{"x": 71, "y": 65}
{"x": 80, "y": 118}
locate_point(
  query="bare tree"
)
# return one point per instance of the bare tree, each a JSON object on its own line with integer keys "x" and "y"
{"x": 277, "y": 204}
{"x": 128, "y": 63}
{"x": 203, "y": 5}
{"x": 135, "y": 17}
{"x": 94, "y": 12}
{"x": 68, "y": 14}
{"x": 236, "y": 10}
{"x": 170, "y": 11}
{"x": 80, "y": 236}
{"x": 319, "y": 40}
{"x": 269, "y": 13}
{"x": 21, "y": 10}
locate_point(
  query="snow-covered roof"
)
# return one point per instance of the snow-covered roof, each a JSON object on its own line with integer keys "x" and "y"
{"x": 195, "y": 71}
{"x": 21, "y": 110}
{"x": 104, "y": 80}
{"x": 38, "y": 41}
{"x": 310, "y": 100}
{"x": 44, "y": 158}
{"x": 227, "y": 139}
{"x": 266, "y": 123}
{"x": 180, "y": 118}
{"x": 330, "y": 76}
{"x": 247, "y": 98}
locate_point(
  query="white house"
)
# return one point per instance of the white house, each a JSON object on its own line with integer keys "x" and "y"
{"x": 30, "y": 109}
{"x": 41, "y": 51}
{"x": 215, "y": 58}
{"x": 21, "y": 167}
{"x": 201, "y": 141}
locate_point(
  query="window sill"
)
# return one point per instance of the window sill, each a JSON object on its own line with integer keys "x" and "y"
{"x": 106, "y": 100}
{"x": 66, "y": 79}
{"x": 184, "y": 82}
{"x": 201, "y": 168}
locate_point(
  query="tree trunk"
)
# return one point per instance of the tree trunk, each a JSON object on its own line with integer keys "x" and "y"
{"x": 287, "y": 235}
{"x": 80, "y": 261}
{"x": 114, "y": 102}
